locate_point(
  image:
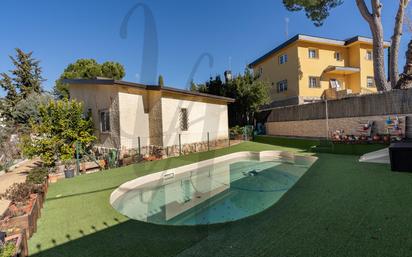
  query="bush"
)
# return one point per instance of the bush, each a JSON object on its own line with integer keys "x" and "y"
{"x": 20, "y": 192}
{"x": 8, "y": 250}
{"x": 37, "y": 176}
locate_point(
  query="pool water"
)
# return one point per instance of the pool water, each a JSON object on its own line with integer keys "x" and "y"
{"x": 222, "y": 192}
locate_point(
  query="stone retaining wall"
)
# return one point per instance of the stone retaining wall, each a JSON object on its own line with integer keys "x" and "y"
{"x": 317, "y": 128}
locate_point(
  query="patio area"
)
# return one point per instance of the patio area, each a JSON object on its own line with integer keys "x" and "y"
{"x": 340, "y": 207}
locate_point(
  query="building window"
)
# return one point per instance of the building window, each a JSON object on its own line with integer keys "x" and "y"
{"x": 338, "y": 56}
{"x": 369, "y": 55}
{"x": 334, "y": 83}
{"x": 104, "y": 121}
{"x": 313, "y": 53}
{"x": 184, "y": 123}
{"x": 282, "y": 86}
{"x": 260, "y": 71}
{"x": 283, "y": 59}
{"x": 370, "y": 82}
{"x": 314, "y": 82}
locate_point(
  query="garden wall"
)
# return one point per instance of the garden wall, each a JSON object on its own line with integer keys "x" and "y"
{"x": 309, "y": 120}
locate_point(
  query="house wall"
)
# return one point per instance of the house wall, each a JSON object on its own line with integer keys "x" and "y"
{"x": 300, "y": 67}
{"x": 315, "y": 67}
{"x": 273, "y": 72}
{"x": 366, "y": 69}
{"x": 96, "y": 98}
{"x": 134, "y": 122}
{"x": 202, "y": 118}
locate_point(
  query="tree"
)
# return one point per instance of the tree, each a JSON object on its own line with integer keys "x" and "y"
{"x": 405, "y": 80}
{"x": 318, "y": 11}
{"x": 28, "y": 109}
{"x": 160, "y": 81}
{"x": 249, "y": 93}
{"x": 24, "y": 80}
{"x": 193, "y": 86}
{"x": 113, "y": 70}
{"x": 396, "y": 40}
{"x": 11, "y": 98}
{"x": 87, "y": 69}
{"x": 61, "y": 125}
{"x": 27, "y": 73}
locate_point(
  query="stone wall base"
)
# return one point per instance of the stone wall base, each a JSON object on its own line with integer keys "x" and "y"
{"x": 171, "y": 151}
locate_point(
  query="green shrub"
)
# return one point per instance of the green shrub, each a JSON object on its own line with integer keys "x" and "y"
{"x": 20, "y": 192}
{"x": 8, "y": 250}
{"x": 37, "y": 176}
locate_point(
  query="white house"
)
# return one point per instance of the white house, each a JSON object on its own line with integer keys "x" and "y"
{"x": 128, "y": 115}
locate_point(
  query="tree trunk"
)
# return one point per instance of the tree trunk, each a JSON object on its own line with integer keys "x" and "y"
{"x": 405, "y": 80}
{"x": 396, "y": 39}
{"x": 374, "y": 20}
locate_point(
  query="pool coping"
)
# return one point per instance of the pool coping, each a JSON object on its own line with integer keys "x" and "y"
{"x": 173, "y": 172}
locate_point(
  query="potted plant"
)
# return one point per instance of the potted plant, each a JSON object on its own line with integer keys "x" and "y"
{"x": 386, "y": 138}
{"x": 376, "y": 137}
{"x": 69, "y": 166}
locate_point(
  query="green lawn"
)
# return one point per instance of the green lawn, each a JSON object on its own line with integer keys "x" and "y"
{"x": 340, "y": 207}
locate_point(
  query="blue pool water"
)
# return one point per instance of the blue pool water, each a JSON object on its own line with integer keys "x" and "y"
{"x": 219, "y": 193}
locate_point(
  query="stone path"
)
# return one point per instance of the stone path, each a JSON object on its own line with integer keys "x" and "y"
{"x": 17, "y": 175}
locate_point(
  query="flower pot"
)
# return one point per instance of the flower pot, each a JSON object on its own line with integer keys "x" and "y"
{"x": 376, "y": 138}
{"x": 53, "y": 178}
{"x": 386, "y": 138}
{"x": 69, "y": 173}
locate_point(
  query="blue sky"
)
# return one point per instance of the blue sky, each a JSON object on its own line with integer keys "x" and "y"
{"x": 233, "y": 32}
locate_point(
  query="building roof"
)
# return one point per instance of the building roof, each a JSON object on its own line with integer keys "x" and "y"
{"x": 321, "y": 40}
{"x": 105, "y": 81}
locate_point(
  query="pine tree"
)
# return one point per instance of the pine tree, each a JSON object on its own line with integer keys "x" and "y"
{"x": 11, "y": 98}
{"x": 27, "y": 73}
{"x": 161, "y": 82}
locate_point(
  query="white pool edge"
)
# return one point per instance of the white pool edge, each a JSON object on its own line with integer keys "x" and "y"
{"x": 135, "y": 183}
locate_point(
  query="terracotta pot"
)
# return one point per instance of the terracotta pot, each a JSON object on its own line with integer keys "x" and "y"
{"x": 386, "y": 138}
{"x": 53, "y": 178}
{"x": 376, "y": 138}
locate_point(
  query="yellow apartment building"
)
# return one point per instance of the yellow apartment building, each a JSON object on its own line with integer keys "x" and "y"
{"x": 306, "y": 68}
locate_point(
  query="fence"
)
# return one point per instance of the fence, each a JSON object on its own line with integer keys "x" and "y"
{"x": 392, "y": 102}
{"x": 175, "y": 143}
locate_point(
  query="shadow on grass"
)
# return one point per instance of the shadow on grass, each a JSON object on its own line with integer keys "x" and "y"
{"x": 130, "y": 238}
{"x": 79, "y": 194}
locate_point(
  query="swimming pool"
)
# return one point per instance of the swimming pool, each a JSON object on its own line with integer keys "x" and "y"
{"x": 222, "y": 189}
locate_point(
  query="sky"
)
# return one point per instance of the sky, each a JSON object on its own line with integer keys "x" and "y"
{"x": 216, "y": 34}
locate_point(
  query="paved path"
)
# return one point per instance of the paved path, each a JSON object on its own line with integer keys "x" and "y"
{"x": 17, "y": 175}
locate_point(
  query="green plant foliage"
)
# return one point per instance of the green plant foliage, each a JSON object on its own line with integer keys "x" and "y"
{"x": 62, "y": 125}
{"x": 24, "y": 80}
{"x": 248, "y": 91}
{"x": 316, "y": 10}
{"x": 28, "y": 108}
{"x": 19, "y": 192}
{"x": 161, "y": 82}
{"x": 37, "y": 176}
{"x": 87, "y": 69}
{"x": 8, "y": 250}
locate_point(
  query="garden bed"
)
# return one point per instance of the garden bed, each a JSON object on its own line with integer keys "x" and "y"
{"x": 27, "y": 221}
{"x": 20, "y": 242}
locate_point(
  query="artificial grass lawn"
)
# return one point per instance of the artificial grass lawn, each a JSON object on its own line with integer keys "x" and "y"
{"x": 340, "y": 207}
{"x": 315, "y": 145}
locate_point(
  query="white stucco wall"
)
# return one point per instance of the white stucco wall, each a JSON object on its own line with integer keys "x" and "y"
{"x": 134, "y": 122}
{"x": 202, "y": 117}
